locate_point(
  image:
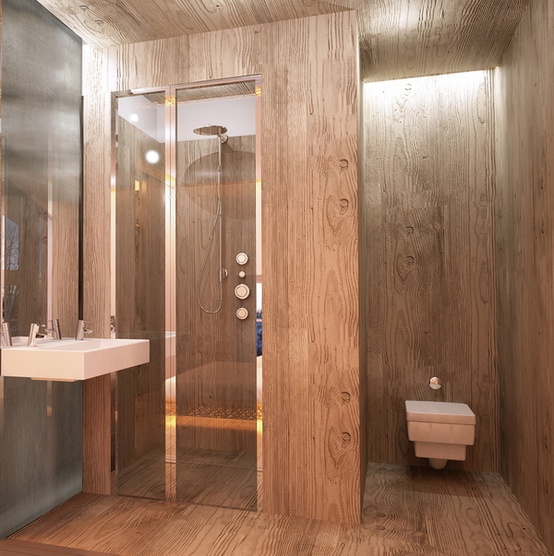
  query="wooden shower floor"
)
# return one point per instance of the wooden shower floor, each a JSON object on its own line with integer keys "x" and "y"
{"x": 407, "y": 511}
{"x": 215, "y": 477}
{"x": 233, "y": 478}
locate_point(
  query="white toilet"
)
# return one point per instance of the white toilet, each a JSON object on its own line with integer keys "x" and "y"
{"x": 440, "y": 430}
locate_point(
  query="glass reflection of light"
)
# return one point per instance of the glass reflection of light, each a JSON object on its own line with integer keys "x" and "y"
{"x": 152, "y": 157}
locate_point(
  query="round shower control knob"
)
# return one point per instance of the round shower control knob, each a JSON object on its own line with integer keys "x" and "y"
{"x": 242, "y": 313}
{"x": 242, "y": 291}
{"x": 241, "y": 258}
{"x": 242, "y": 274}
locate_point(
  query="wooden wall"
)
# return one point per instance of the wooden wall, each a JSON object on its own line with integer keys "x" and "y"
{"x": 311, "y": 443}
{"x": 427, "y": 263}
{"x": 525, "y": 220}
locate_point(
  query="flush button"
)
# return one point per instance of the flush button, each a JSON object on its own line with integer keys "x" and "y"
{"x": 242, "y": 291}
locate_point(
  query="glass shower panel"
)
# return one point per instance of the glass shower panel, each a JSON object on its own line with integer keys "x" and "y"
{"x": 139, "y": 306}
{"x": 215, "y": 304}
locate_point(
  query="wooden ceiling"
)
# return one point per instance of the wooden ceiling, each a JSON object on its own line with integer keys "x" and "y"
{"x": 398, "y": 38}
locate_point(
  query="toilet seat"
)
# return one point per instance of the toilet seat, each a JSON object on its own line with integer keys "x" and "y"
{"x": 445, "y": 412}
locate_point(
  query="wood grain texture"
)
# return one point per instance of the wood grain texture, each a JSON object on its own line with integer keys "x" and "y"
{"x": 129, "y": 71}
{"x": 525, "y": 209}
{"x": 96, "y": 265}
{"x": 97, "y": 435}
{"x": 25, "y": 548}
{"x": 406, "y": 511}
{"x": 311, "y": 373}
{"x": 309, "y": 215}
{"x": 105, "y": 23}
{"x": 396, "y": 39}
{"x": 424, "y": 37}
{"x": 429, "y": 272}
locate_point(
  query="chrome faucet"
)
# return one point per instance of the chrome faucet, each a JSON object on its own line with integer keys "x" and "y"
{"x": 34, "y": 330}
{"x": 6, "y": 334}
{"x": 82, "y": 330}
{"x": 54, "y": 330}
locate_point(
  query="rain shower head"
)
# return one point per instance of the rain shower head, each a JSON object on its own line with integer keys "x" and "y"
{"x": 212, "y": 130}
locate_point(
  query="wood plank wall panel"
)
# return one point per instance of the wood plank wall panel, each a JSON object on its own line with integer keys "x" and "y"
{"x": 525, "y": 219}
{"x": 149, "y": 64}
{"x": 309, "y": 173}
{"x": 429, "y": 271}
{"x": 397, "y": 39}
{"x": 96, "y": 265}
{"x": 311, "y": 363}
{"x": 363, "y": 285}
{"x": 423, "y": 37}
{"x": 232, "y": 52}
{"x": 107, "y": 23}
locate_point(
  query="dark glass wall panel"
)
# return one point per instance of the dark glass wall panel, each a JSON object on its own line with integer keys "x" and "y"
{"x": 40, "y": 422}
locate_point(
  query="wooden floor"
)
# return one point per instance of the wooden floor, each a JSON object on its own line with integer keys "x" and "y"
{"x": 233, "y": 478}
{"x": 407, "y": 511}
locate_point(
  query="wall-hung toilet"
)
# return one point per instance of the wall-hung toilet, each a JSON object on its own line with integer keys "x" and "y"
{"x": 440, "y": 430}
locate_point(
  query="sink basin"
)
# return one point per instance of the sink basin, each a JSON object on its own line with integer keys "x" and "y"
{"x": 71, "y": 359}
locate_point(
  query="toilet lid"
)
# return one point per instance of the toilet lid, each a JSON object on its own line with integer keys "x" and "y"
{"x": 439, "y": 412}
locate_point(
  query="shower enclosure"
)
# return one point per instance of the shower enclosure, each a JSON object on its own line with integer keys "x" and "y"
{"x": 187, "y": 277}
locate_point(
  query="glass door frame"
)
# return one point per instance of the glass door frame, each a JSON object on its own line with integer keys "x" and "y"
{"x": 170, "y": 163}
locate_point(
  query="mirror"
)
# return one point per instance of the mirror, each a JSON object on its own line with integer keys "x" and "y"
{"x": 42, "y": 160}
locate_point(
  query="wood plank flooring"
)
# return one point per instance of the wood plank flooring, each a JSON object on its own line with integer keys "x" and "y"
{"x": 25, "y": 548}
{"x": 407, "y": 511}
{"x": 233, "y": 478}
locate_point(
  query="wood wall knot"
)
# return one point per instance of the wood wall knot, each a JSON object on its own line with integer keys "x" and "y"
{"x": 345, "y": 396}
{"x": 345, "y": 439}
{"x": 405, "y": 264}
{"x": 337, "y": 209}
{"x": 343, "y": 204}
{"x": 343, "y": 164}
{"x": 212, "y": 7}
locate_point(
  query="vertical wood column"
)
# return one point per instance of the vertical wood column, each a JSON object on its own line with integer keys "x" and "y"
{"x": 311, "y": 366}
{"x": 310, "y": 266}
{"x": 96, "y": 268}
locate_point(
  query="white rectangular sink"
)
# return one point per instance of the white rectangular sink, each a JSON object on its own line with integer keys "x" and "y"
{"x": 70, "y": 359}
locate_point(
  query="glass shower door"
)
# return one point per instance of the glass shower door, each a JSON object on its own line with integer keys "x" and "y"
{"x": 215, "y": 303}
{"x": 140, "y": 223}
{"x": 187, "y": 277}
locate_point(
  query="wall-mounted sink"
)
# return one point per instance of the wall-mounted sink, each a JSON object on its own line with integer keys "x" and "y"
{"x": 70, "y": 359}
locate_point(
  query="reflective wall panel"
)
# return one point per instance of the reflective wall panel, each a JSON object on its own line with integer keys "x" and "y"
{"x": 40, "y": 422}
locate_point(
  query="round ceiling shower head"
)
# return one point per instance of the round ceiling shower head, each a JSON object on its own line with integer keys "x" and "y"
{"x": 211, "y": 130}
